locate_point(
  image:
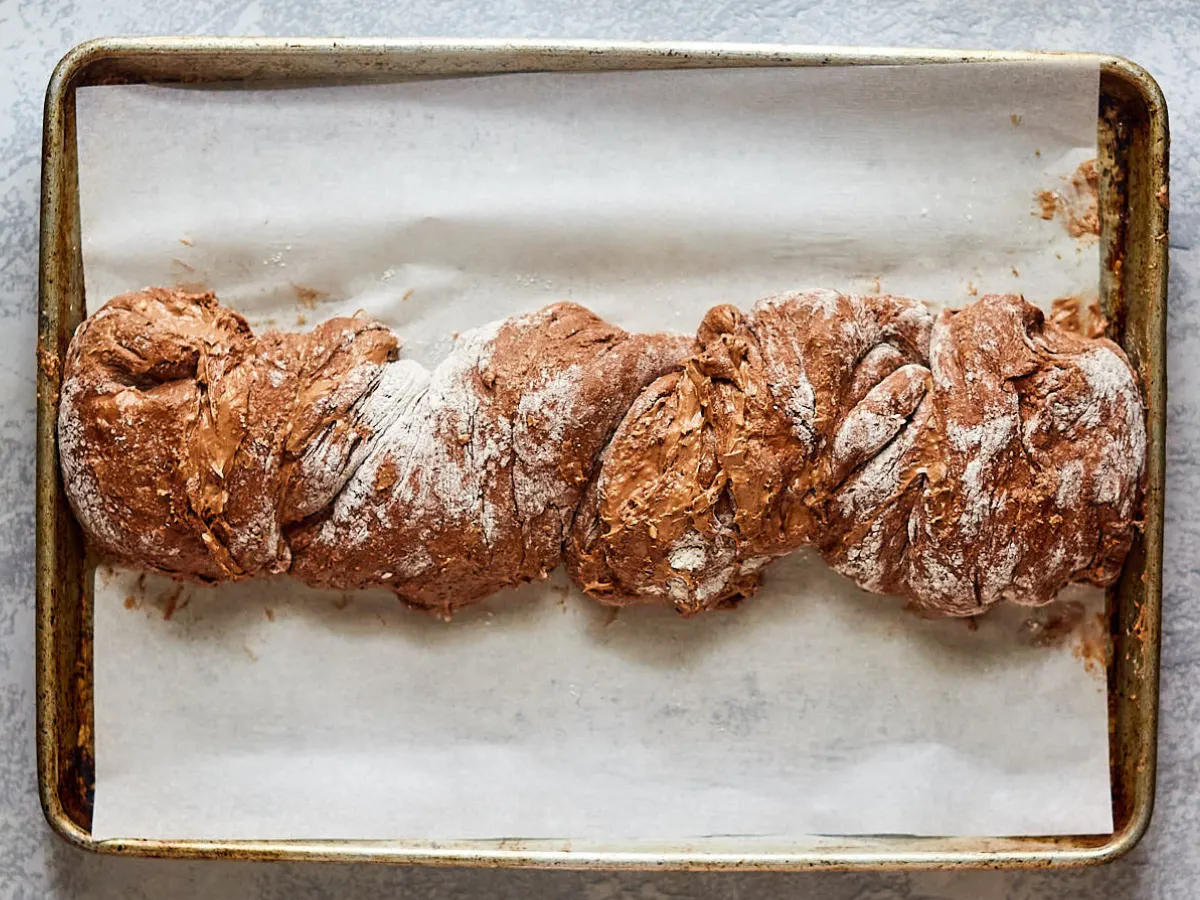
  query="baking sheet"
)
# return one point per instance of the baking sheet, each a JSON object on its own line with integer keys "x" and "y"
{"x": 270, "y": 711}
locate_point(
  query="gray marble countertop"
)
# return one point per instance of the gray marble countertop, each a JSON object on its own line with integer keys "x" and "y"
{"x": 1162, "y": 36}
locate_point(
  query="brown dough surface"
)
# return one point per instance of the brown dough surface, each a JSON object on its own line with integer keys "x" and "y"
{"x": 185, "y": 440}
{"x": 991, "y": 456}
{"x": 717, "y": 469}
{"x": 986, "y": 455}
{"x": 1019, "y": 472}
{"x": 472, "y": 487}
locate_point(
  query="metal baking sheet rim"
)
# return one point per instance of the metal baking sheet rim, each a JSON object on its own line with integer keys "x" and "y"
{"x": 1134, "y": 284}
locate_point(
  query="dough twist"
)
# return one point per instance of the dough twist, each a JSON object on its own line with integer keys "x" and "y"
{"x": 957, "y": 461}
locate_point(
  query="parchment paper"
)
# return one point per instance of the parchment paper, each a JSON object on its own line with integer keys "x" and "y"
{"x": 266, "y": 710}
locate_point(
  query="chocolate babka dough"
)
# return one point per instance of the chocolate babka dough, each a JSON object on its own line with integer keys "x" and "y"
{"x": 981, "y": 456}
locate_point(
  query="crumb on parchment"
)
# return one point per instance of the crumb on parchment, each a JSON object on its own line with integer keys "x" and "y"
{"x": 1076, "y": 203}
{"x": 1048, "y": 201}
{"x": 308, "y": 296}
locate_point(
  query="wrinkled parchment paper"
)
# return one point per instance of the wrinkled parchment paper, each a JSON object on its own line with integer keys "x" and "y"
{"x": 267, "y": 710}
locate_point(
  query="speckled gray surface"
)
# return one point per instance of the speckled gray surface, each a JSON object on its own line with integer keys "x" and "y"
{"x": 1163, "y": 36}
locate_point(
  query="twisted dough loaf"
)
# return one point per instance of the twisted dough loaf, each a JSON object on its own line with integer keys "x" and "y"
{"x": 981, "y": 456}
